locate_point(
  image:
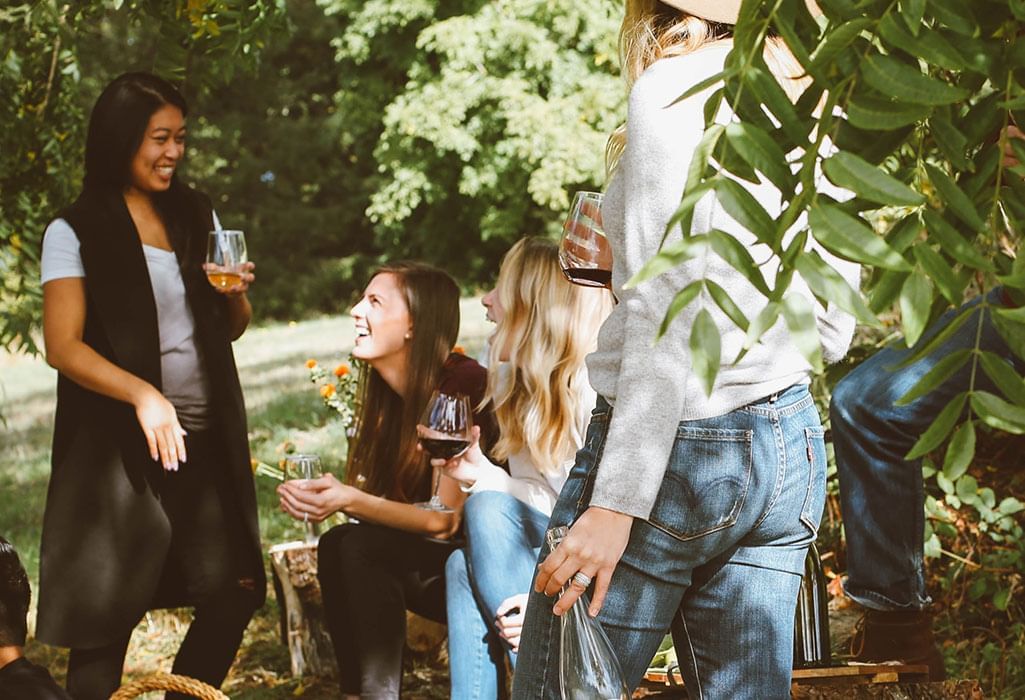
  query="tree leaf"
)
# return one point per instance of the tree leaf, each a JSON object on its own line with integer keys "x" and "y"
{"x": 956, "y": 200}
{"x": 885, "y": 291}
{"x": 930, "y": 46}
{"x": 955, "y": 14}
{"x": 951, "y": 141}
{"x": 943, "y": 370}
{"x": 826, "y": 283}
{"x": 940, "y": 428}
{"x": 902, "y": 82}
{"x": 835, "y": 42}
{"x": 869, "y": 182}
{"x": 765, "y": 320}
{"x": 736, "y": 254}
{"x": 704, "y": 85}
{"x": 960, "y": 451}
{"x": 997, "y": 413}
{"x": 671, "y": 255}
{"x": 1010, "y": 323}
{"x": 938, "y": 339}
{"x": 1004, "y": 376}
{"x": 967, "y": 488}
{"x": 800, "y": 318}
{"x": 915, "y": 304}
{"x": 913, "y": 11}
{"x": 851, "y": 238}
{"x": 748, "y": 211}
{"x": 705, "y": 350}
{"x": 725, "y": 302}
{"x": 952, "y": 242}
{"x": 761, "y": 153}
{"x": 940, "y": 273}
{"x": 876, "y": 114}
{"x": 768, "y": 90}
{"x": 683, "y": 297}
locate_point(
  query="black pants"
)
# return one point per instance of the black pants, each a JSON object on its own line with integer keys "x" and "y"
{"x": 204, "y": 567}
{"x": 369, "y": 576}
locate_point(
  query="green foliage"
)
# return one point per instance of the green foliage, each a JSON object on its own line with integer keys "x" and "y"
{"x": 46, "y": 93}
{"x": 484, "y": 118}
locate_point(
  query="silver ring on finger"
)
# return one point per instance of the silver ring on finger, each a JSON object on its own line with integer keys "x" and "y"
{"x": 582, "y": 579}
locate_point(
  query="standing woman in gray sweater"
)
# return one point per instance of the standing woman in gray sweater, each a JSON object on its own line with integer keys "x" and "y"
{"x": 687, "y": 510}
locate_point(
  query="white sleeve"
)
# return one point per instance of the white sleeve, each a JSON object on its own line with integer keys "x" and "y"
{"x": 60, "y": 257}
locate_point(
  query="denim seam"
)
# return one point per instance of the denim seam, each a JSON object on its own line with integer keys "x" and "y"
{"x": 690, "y": 648}
{"x": 805, "y": 518}
{"x": 731, "y": 519}
{"x": 592, "y": 473}
{"x": 781, "y": 471}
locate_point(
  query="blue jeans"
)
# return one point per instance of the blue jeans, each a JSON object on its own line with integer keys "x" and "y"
{"x": 881, "y": 492}
{"x": 719, "y": 559}
{"x": 503, "y": 538}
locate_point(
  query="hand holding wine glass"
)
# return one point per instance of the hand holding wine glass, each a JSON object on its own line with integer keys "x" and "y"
{"x": 464, "y": 467}
{"x": 227, "y": 267}
{"x": 584, "y": 252}
{"x": 303, "y": 468}
{"x": 445, "y": 432}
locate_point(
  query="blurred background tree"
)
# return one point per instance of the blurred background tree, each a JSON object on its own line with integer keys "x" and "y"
{"x": 337, "y": 134}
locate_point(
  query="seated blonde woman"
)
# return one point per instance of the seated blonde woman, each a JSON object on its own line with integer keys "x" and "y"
{"x": 538, "y": 385}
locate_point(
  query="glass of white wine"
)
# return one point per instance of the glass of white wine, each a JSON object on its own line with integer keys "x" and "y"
{"x": 225, "y": 258}
{"x": 303, "y": 467}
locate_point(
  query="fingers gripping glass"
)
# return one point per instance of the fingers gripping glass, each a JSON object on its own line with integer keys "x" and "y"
{"x": 444, "y": 432}
{"x": 584, "y": 252}
{"x": 225, "y": 258}
{"x": 303, "y": 467}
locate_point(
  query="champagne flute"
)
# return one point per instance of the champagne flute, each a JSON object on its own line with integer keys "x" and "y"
{"x": 584, "y": 252}
{"x": 303, "y": 467}
{"x": 225, "y": 258}
{"x": 445, "y": 432}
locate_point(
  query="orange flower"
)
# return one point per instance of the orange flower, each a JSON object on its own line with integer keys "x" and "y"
{"x": 311, "y": 363}
{"x": 459, "y": 349}
{"x": 341, "y": 370}
{"x": 327, "y": 391}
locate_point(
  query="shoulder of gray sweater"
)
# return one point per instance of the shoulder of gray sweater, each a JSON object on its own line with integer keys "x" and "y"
{"x": 668, "y": 78}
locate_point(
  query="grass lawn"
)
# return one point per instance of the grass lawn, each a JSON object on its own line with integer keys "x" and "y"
{"x": 283, "y": 408}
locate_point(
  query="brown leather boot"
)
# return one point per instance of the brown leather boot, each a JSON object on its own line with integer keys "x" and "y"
{"x": 898, "y": 635}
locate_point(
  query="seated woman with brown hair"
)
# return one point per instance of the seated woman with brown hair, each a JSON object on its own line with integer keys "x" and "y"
{"x": 394, "y": 558}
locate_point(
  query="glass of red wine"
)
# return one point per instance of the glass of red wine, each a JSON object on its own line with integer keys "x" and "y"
{"x": 444, "y": 432}
{"x": 584, "y": 252}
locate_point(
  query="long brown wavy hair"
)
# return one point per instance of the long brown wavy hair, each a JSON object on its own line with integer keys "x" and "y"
{"x": 383, "y": 459}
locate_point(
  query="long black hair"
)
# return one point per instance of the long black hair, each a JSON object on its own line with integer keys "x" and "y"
{"x": 117, "y": 126}
{"x": 118, "y": 123}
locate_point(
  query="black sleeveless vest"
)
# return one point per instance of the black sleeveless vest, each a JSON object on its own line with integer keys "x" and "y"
{"x": 105, "y": 536}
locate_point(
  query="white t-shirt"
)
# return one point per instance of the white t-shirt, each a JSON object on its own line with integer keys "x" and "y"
{"x": 525, "y": 481}
{"x": 184, "y": 381}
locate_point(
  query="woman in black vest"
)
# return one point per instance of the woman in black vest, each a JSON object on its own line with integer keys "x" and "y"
{"x": 151, "y": 500}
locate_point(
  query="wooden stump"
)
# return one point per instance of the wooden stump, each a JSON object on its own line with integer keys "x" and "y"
{"x": 302, "y": 611}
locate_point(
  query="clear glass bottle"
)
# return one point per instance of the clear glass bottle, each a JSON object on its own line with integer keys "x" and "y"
{"x": 588, "y": 667}
{"x": 811, "y": 621}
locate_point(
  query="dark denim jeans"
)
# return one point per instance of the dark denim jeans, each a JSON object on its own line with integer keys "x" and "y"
{"x": 503, "y": 538}
{"x": 881, "y": 492}
{"x": 719, "y": 559}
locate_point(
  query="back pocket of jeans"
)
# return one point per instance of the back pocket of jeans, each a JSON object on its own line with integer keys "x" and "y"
{"x": 706, "y": 482}
{"x": 815, "y": 498}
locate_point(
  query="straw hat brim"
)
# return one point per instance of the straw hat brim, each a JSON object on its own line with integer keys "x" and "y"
{"x": 725, "y": 11}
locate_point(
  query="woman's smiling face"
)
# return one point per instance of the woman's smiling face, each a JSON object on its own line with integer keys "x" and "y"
{"x": 383, "y": 324}
{"x": 162, "y": 147}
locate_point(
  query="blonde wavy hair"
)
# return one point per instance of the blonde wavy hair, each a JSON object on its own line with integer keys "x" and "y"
{"x": 652, "y": 30}
{"x": 548, "y": 328}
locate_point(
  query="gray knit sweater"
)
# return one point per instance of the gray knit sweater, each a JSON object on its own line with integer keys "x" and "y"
{"x": 651, "y": 385}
